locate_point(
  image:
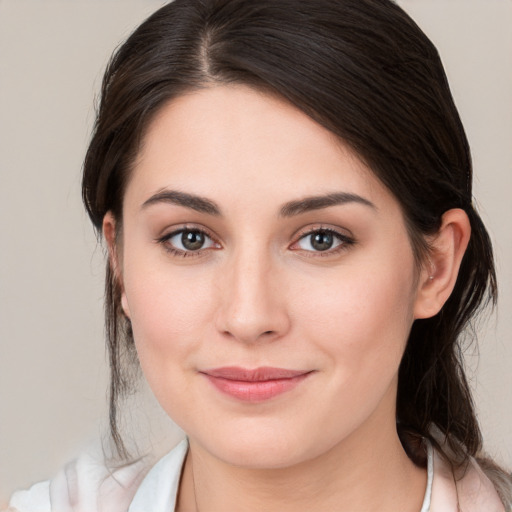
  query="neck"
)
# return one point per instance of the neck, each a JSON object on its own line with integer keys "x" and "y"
{"x": 369, "y": 470}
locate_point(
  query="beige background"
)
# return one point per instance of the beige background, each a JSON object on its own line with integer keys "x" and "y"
{"x": 52, "y": 371}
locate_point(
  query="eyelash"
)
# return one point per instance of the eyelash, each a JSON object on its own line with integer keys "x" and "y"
{"x": 344, "y": 242}
{"x": 164, "y": 241}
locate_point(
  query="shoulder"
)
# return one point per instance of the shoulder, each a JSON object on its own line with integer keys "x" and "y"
{"x": 469, "y": 491}
{"x": 84, "y": 484}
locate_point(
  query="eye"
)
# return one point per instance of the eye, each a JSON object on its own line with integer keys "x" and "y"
{"x": 322, "y": 240}
{"x": 186, "y": 241}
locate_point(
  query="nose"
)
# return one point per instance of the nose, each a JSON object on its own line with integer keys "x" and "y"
{"x": 252, "y": 306}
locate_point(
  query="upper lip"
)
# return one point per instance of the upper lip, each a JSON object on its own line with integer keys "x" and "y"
{"x": 261, "y": 374}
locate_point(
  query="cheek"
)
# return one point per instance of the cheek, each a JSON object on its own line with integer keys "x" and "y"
{"x": 169, "y": 319}
{"x": 170, "y": 312}
{"x": 361, "y": 320}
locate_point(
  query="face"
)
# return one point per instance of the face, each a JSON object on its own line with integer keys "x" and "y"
{"x": 268, "y": 276}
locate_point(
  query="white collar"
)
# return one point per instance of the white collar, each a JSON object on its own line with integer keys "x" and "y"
{"x": 159, "y": 489}
{"x": 430, "y": 477}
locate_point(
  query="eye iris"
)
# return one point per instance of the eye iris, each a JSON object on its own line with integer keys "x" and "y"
{"x": 192, "y": 240}
{"x": 322, "y": 241}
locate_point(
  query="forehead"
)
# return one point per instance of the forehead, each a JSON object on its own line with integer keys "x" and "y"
{"x": 232, "y": 141}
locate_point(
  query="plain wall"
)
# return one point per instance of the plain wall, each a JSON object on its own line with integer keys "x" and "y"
{"x": 53, "y": 376}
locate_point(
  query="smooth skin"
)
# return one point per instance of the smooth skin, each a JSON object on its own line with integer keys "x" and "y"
{"x": 224, "y": 262}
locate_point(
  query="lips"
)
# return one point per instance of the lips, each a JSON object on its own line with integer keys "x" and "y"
{"x": 254, "y": 385}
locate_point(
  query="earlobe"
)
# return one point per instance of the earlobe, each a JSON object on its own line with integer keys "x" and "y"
{"x": 439, "y": 274}
{"x": 110, "y": 235}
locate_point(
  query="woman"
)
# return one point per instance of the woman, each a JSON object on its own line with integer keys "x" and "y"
{"x": 284, "y": 189}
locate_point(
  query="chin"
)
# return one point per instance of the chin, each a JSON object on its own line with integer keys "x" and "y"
{"x": 259, "y": 454}
{"x": 264, "y": 446}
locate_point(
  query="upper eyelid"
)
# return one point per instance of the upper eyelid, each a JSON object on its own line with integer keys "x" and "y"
{"x": 301, "y": 233}
{"x": 187, "y": 227}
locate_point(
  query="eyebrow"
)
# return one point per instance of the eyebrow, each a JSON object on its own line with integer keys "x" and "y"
{"x": 290, "y": 209}
{"x": 323, "y": 201}
{"x": 198, "y": 203}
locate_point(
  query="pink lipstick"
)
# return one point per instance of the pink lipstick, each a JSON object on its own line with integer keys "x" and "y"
{"x": 254, "y": 385}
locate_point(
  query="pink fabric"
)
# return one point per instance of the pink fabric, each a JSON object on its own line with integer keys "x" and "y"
{"x": 83, "y": 487}
{"x": 473, "y": 492}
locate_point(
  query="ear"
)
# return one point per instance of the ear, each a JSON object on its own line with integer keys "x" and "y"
{"x": 109, "y": 232}
{"x": 439, "y": 273}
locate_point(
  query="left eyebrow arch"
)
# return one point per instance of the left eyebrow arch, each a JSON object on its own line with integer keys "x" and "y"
{"x": 192, "y": 201}
{"x": 312, "y": 203}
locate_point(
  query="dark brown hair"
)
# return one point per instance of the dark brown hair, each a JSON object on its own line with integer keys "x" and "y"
{"x": 364, "y": 70}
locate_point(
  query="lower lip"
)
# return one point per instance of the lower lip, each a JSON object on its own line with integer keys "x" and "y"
{"x": 255, "y": 391}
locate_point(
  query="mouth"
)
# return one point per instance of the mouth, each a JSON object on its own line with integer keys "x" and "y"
{"x": 256, "y": 385}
